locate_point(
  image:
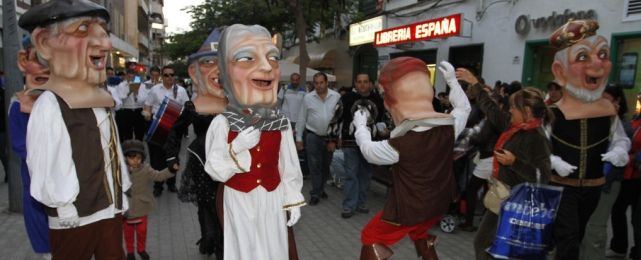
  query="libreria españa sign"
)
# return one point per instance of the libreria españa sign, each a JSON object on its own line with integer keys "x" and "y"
{"x": 425, "y": 30}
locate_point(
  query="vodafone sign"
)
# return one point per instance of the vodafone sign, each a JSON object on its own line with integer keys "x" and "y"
{"x": 430, "y": 29}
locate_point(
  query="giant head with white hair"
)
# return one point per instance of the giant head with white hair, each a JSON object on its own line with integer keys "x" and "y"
{"x": 71, "y": 37}
{"x": 582, "y": 62}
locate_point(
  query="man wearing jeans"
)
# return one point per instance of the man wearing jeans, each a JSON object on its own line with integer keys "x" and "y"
{"x": 358, "y": 171}
{"x": 316, "y": 112}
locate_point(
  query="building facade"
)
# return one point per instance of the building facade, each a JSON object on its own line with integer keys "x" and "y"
{"x": 507, "y": 40}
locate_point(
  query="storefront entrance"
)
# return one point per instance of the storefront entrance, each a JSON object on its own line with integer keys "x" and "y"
{"x": 366, "y": 61}
{"x": 469, "y": 57}
{"x": 427, "y": 56}
{"x": 626, "y": 72}
{"x": 537, "y": 64}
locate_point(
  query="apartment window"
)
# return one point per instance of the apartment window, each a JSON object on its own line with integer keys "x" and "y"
{"x": 632, "y": 10}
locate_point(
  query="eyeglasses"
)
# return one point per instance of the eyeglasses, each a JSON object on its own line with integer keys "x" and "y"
{"x": 168, "y": 75}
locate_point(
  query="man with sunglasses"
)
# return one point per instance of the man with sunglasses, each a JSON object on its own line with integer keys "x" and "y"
{"x": 168, "y": 88}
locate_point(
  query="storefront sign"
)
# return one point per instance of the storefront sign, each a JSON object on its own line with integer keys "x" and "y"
{"x": 524, "y": 24}
{"x": 425, "y": 30}
{"x": 363, "y": 32}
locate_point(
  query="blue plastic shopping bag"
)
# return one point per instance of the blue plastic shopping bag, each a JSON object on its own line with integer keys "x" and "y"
{"x": 526, "y": 220}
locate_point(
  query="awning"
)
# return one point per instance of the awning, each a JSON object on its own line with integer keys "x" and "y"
{"x": 323, "y": 59}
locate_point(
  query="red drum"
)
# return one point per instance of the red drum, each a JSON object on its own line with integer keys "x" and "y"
{"x": 163, "y": 121}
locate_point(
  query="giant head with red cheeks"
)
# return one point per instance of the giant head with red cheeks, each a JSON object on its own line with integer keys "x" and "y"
{"x": 72, "y": 39}
{"x": 249, "y": 69}
{"x": 407, "y": 90}
{"x": 35, "y": 73}
{"x": 204, "y": 72}
{"x": 582, "y": 63}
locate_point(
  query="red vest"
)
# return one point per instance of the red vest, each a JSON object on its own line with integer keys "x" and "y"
{"x": 264, "y": 167}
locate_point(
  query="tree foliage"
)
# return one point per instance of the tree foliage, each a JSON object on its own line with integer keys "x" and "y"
{"x": 275, "y": 15}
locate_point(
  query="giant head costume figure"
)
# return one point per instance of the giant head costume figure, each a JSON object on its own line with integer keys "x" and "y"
{"x": 250, "y": 72}
{"x": 71, "y": 38}
{"x": 204, "y": 72}
{"x": 581, "y": 66}
{"x": 407, "y": 91}
{"x": 35, "y": 73}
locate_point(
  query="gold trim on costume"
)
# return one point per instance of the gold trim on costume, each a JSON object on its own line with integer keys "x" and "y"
{"x": 233, "y": 157}
{"x": 298, "y": 204}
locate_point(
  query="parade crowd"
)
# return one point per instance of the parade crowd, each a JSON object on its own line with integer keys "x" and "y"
{"x": 84, "y": 133}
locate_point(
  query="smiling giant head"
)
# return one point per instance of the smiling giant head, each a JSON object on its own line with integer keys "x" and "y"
{"x": 582, "y": 63}
{"x": 71, "y": 37}
{"x": 249, "y": 68}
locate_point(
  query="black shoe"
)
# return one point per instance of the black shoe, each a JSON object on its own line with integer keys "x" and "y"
{"x": 157, "y": 193}
{"x": 347, "y": 213}
{"x": 324, "y": 195}
{"x": 144, "y": 255}
{"x": 313, "y": 201}
{"x": 362, "y": 209}
{"x": 172, "y": 188}
{"x": 131, "y": 256}
{"x": 467, "y": 227}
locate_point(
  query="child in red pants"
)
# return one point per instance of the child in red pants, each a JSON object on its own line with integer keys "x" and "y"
{"x": 141, "y": 198}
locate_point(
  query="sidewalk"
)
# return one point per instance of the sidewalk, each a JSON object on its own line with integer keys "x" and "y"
{"x": 320, "y": 234}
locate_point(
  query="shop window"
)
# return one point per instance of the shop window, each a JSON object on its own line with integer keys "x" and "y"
{"x": 632, "y": 10}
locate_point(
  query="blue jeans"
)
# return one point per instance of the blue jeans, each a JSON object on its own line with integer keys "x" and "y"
{"x": 318, "y": 160}
{"x": 358, "y": 173}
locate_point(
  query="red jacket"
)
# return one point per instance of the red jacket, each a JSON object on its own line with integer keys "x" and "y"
{"x": 631, "y": 172}
{"x": 264, "y": 167}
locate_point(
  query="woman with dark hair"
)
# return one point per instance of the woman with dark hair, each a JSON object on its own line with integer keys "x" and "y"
{"x": 521, "y": 151}
{"x": 630, "y": 184}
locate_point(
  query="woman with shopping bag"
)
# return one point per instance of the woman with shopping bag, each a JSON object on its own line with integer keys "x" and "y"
{"x": 521, "y": 149}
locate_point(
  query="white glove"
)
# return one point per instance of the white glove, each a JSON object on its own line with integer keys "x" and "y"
{"x": 560, "y": 166}
{"x": 448, "y": 71}
{"x": 294, "y": 216}
{"x": 617, "y": 156}
{"x": 246, "y": 140}
{"x": 68, "y": 216}
{"x": 360, "y": 118}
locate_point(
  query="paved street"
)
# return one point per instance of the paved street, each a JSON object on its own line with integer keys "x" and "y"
{"x": 320, "y": 234}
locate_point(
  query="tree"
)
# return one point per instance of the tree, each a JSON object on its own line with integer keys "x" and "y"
{"x": 275, "y": 15}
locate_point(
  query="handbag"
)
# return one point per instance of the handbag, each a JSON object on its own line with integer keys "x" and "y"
{"x": 526, "y": 224}
{"x": 496, "y": 193}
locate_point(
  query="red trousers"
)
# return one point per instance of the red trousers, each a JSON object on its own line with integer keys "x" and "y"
{"x": 379, "y": 232}
{"x": 139, "y": 225}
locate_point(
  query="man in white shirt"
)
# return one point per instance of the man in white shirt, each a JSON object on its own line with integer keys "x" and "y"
{"x": 131, "y": 123}
{"x": 77, "y": 167}
{"x": 291, "y": 98}
{"x": 157, "y": 94}
{"x": 317, "y": 109}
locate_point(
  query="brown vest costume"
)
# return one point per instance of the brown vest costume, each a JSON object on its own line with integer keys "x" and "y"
{"x": 423, "y": 181}
{"x": 87, "y": 155}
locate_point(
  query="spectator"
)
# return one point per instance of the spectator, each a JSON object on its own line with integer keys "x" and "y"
{"x": 554, "y": 93}
{"x": 156, "y": 95}
{"x": 314, "y": 118}
{"x": 140, "y": 196}
{"x": 358, "y": 171}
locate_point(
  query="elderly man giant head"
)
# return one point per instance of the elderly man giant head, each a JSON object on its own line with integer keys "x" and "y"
{"x": 582, "y": 64}
{"x": 72, "y": 38}
{"x": 204, "y": 71}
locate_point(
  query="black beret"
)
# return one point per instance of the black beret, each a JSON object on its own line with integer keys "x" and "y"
{"x": 60, "y": 10}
